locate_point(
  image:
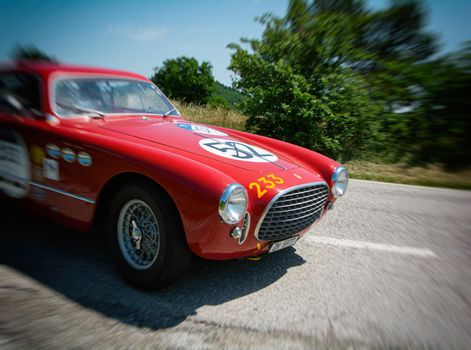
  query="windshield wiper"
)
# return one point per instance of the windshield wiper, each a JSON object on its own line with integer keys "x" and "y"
{"x": 82, "y": 110}
{"x": 166, "y": 114}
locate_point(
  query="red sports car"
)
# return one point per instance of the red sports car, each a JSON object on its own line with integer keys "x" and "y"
{"x": 106, "y": 150}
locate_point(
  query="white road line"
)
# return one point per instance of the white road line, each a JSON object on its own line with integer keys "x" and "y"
{"x": 423, "y": 252}
{"x": 407, "y": 185}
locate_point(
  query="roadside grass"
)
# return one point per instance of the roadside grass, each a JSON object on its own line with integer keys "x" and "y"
{"x": 218, "y": 116}
{"x": 431, "y": 175}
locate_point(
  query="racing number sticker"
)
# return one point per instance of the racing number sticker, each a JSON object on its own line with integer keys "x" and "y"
{"x": 14, "y": 164}
{"x": 201, "y": 129}
{"x": 265, "y": 183}
{"x": 237, "y": 150}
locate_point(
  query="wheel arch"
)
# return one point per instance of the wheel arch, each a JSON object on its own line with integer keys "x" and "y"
{"x": 119, "y": 181}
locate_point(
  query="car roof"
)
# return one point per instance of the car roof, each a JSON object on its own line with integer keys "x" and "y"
{"x": 45, "y": 69}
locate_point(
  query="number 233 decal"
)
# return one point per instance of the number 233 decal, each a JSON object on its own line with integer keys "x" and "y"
{"x": 265, "y": 183}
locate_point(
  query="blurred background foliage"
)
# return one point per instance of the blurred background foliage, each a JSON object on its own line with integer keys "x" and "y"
{"x": 357, "y": 83}
{"x": 354, "y": 83}
{"x": 30, "y": 52}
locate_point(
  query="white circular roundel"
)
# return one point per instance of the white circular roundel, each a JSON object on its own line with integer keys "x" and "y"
{"x": 237, "y": 150}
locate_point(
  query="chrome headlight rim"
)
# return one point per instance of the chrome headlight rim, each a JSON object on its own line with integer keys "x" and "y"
{"x": 225, "y": 202}
{"x": 335, "y": 180}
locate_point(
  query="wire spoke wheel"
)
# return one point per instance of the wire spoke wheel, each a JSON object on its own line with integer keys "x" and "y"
{"x": 146, "y": 236}
{"x": 138, "y": 234}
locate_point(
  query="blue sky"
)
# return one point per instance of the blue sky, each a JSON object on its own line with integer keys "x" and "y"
{"x": 139, "y": 35}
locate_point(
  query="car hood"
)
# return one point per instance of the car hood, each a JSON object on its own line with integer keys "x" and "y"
{"x": 204, "y": 142}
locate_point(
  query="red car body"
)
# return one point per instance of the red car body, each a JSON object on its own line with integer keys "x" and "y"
{"x": 163, "y": 149}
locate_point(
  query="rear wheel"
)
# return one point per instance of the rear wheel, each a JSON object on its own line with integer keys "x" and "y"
{"x": 146, "y": 237}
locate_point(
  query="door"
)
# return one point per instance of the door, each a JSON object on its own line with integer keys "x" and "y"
{"x": 35, "y": 165}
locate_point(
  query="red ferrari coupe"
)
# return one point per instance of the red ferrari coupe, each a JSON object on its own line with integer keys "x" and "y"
{"x": 106, "y": 150}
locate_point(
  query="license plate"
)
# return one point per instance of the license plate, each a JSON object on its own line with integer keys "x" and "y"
{"x": 283, "y": 244}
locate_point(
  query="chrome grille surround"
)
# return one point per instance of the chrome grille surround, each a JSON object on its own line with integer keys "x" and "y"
{"x": 291, "y": 211}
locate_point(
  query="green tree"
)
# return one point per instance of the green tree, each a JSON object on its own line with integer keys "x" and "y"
{"x": 397, "y": 33}
{"x": 184, "y": 79}
{"x": 399, "y": 48}
{"x": 446, "y": 105}
{"x": 301, "y": 85}
{"x": 30, "y": 53}
{"x": 340, "y": 78}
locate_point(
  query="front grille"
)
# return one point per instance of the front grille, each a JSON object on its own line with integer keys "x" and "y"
{"x": 293, "y": 211}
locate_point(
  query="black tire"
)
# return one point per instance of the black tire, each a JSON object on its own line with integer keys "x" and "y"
{"x": 173, "y": 257}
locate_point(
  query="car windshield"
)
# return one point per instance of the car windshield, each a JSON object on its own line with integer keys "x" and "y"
{"x": 105, "y": 96}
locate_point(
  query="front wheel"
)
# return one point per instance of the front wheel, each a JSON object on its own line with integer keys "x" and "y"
{"x": 146, "y": 237}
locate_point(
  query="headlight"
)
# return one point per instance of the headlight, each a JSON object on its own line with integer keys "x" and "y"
{"x": 340, "y": 180}
{"x": 233, "y": 204}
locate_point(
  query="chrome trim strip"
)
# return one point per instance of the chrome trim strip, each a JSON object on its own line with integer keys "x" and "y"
{"x": 245, "y": 233}
{"x": 45, "y": 187}
{"x": 273, "y": 200}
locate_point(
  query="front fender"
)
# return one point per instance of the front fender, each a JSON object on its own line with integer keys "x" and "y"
{"x": 306, "y": 158}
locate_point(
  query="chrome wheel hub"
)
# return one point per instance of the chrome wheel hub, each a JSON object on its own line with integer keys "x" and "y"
{"x": 138, "y": 234}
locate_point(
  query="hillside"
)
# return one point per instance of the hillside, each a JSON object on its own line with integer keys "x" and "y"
{"x": 231, "y": 95}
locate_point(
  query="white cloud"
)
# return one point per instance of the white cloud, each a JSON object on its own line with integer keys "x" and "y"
{"x": 135, "y": 32}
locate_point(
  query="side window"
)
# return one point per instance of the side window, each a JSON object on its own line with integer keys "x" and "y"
{"x": 21, "y": 87}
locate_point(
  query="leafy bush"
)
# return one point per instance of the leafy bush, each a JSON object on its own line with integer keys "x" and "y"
{"x": 218, "y": 101}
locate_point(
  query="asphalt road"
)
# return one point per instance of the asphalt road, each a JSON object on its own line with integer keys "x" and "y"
{"x": 389, "y": 267}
